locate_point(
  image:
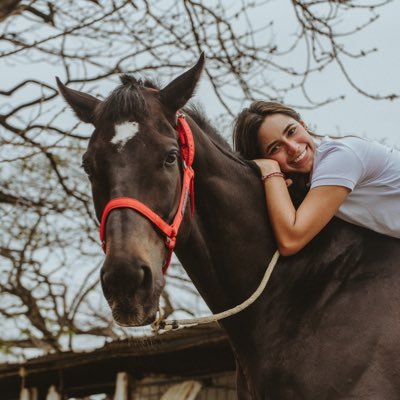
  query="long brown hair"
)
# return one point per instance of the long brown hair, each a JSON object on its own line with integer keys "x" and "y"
{"x": 248, "y": 123}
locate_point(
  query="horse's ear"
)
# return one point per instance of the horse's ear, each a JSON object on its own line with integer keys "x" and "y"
{"x": 177, "y": 93}
{"x": 82, "y": 103}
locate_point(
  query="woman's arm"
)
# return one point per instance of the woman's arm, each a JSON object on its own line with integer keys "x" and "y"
{"x": 295, "y": 228}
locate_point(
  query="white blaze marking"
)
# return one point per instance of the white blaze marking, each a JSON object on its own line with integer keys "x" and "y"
{"x": 124, "y": 132}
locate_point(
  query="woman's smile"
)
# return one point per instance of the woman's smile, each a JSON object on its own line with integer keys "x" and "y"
{"x": 301, "y": 156}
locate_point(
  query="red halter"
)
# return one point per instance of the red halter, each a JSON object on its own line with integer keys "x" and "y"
{"x": 170, "y": 231}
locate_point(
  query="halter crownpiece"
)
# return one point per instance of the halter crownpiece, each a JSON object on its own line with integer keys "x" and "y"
{"x": 186, "y": 144}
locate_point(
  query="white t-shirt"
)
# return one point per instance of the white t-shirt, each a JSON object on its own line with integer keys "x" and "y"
{"x": 371, "y": 171}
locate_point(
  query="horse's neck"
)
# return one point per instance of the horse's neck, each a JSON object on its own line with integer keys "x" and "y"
{"x": 230, "y": 241}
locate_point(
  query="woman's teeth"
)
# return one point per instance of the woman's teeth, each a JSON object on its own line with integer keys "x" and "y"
{"x": 300, "y": 157}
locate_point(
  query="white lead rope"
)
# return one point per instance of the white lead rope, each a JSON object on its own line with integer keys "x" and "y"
{"x": 165, "y": 325}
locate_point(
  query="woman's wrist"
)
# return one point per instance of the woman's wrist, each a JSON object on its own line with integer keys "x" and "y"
{"x": 268, "y": 167}
{"x": 278, "y": 174}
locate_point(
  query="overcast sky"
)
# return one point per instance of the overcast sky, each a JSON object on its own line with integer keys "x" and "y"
{"x": 378, "y": 73}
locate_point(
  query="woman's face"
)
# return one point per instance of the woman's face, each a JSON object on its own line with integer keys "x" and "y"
{"x": 285, "y": 140}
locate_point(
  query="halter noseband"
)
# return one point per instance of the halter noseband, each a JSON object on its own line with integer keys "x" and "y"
{"x": 186, "y": 145}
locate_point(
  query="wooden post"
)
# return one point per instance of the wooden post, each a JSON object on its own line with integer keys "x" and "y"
{"x": 24, "y": 395}
{"x": 28, "y": 394}
{"x": 34, "y": 393}
{"x": 121, "y": 386}
{"x": 52, "y": 394}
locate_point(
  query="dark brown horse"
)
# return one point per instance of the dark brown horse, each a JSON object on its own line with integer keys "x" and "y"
{"x": 328, "y": 324}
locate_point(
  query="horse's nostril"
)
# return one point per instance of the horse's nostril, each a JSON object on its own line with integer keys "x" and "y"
{"x": 147, "y": 276}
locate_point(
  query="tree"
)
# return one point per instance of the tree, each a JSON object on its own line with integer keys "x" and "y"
{"x": 49, "y": 248}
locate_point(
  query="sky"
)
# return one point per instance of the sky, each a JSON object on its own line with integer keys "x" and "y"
{"x": 356, "y": 114}
{"x": 378, "y": 73}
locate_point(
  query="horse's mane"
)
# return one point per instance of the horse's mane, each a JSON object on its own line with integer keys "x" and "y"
{"x": 196, "y": 112}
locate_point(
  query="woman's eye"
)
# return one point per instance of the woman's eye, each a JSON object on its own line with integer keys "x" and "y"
{"x": 171, "y": 158}
{"x": 274, "y": 150}
{"x": 291, "y": 131}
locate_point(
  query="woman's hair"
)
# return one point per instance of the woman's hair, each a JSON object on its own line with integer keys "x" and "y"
{"x": 248, "y": 122}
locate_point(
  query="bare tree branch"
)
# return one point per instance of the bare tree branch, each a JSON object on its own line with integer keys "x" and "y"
{"x": 49, "y": 252}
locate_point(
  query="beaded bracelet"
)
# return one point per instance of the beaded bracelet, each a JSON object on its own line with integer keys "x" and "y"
{"x": 264, "y": 177}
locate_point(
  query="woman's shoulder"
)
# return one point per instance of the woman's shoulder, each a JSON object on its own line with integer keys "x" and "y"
{"x": 340, "y": 162}
{"x": 359, "y": 146}
{"x": 328, "y": 142}
{"x": 351, "y": 153}
{"x": 336, "y": 146}
{"x": 350, "y": 141}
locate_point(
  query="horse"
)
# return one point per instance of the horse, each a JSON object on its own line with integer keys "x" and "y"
{"x": 328, "y": 324}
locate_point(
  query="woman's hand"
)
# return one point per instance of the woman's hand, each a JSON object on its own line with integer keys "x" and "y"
{"x": 268, "y": 166}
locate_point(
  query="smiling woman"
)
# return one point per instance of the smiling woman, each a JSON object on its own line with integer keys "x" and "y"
{"x": 352, "y": 178}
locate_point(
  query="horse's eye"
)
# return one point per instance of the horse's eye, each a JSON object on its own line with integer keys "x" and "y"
{"x": 171, "y": 158}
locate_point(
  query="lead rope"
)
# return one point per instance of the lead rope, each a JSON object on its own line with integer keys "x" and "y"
{"x": 166, "y": 325}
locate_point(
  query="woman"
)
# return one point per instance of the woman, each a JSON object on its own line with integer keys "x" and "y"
{"x": 355, "y": 179}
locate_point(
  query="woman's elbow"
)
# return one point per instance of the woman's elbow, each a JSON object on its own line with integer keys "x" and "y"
{"x": 289, "y": 248}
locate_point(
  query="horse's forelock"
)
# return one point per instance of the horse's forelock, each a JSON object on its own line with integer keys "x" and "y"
{"x": 130, "y": 80}
{"x": 126, "y": 102}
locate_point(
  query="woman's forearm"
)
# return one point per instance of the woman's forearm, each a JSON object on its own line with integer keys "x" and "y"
{"x": 282, "y": 215}
{"x": 295, "y": 228}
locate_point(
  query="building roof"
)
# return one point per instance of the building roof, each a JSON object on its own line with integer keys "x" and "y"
{"x": 185, "y": 352}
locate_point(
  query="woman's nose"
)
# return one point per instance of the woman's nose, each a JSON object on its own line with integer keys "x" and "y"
{"x": 292, "y": 147}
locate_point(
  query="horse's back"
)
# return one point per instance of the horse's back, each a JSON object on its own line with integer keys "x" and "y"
{"x": 344, "y": 337}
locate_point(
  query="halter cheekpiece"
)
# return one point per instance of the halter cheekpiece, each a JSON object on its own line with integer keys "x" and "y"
{"x": 186, "y": 145}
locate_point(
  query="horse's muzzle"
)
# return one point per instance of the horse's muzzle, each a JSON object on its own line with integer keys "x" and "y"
{"x": 132, "y": 290}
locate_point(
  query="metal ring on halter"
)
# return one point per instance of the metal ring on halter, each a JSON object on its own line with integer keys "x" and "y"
{"x": 178, "y": 115}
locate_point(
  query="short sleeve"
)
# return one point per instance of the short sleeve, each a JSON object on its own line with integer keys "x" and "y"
{"x": 336, "y": 164}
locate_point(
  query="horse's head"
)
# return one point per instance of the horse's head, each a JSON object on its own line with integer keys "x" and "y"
{"x": 134, "y": 153}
